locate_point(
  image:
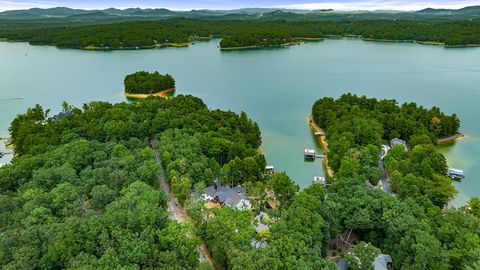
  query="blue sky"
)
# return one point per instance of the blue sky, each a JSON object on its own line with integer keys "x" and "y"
{"x": 233, "y": 4}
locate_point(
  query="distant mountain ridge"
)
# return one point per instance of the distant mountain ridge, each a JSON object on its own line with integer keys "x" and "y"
{"x": 472, "y": 12}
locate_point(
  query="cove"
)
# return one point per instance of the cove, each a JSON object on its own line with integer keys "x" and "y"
{"x": 275, "y": 87}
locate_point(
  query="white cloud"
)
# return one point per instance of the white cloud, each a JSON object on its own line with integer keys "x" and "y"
{"x": 384, "y": 5}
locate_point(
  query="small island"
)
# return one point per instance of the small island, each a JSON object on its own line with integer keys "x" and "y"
{"x": 143, "y": 84}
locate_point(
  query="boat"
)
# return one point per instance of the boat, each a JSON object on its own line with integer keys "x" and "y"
{"x": 455, "y": 173}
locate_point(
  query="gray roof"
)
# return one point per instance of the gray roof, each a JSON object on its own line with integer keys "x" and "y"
{"x": 238, "y": 189}
{"x": 233, "y": 199}
{"x": 381, "y": 262}
{"x": 227, "y": 195}
{"x": 210, "y": 191}
{"x": 223, "y": 195}
{"x": 342, "y": 264}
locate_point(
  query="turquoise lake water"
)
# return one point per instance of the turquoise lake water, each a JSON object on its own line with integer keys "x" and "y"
{"x": 276, "y": 87}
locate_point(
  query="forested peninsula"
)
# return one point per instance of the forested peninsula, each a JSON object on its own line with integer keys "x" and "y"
{"x": 142, "y": 84}
{"x": 82, "y": 191}
{"x": 245, "y": 33}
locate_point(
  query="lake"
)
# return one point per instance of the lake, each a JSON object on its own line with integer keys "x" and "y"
{"x": 275, "y": 87}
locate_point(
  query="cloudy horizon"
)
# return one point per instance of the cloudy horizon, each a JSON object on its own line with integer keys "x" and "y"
{"x": 345, "y": 5}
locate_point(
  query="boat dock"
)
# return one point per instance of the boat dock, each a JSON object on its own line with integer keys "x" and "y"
{"x": 310, "y": 153}
{"x": 320, "y": 180}
{"x": 270, "y": 169}
{"x": 2, "y": 154}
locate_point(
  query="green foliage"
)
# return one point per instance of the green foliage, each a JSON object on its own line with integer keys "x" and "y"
{"x": 356, "y": 127}
{"x": 143, "y": 82}
{"x": 473, "y": 207}
{"x": 238, "y": 33}
{"x": 361, "y": 256}
{"x": 283, "y": 187}
{"x": 80, "y": 193}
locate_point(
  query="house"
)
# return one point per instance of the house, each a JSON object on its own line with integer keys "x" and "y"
{"x": 209, "y": 194}
{"x": 234, "y": 197}
{"x": 381, "y": 262}
{"x": 397, "y": 141}
{"x": 58, "y": 117}
{"x": 239, "y": 202}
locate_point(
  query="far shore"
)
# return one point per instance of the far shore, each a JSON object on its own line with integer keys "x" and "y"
{"x": 162, "y": 93}
{"x": 260, "y": 46}
{"x": 401, "y": 41}
{"x": 160, "y": 45}
{"x": 450, "y": 139}
{"x": 323, "y": 143}
{"x": 310, "y": 38}
{"x": 296, "y": 41}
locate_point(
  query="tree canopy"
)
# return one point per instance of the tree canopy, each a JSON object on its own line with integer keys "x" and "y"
{"x": 240, "y": 33}
{"x": 143, "y": 82}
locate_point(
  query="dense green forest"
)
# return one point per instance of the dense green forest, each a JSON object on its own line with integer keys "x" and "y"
{"x": 356, "y": 127}
{"x": 143, "y": 82}
{"x": 237, "y": 33}
{"x": 81, "y": 193}
{"x": 411, "y": 227}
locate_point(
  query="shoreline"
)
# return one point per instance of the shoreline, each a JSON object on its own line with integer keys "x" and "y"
{"x": 162, "y": 94}
{"x": 296, "y": 41}
{"x": 435, "y": 43}
{"x": 323, "y": 144}
{"x": 260, "y": 46}
{"x": 309, "y": 38}
{"x": 160, "y": 45}
{"x": 450, "y": 139}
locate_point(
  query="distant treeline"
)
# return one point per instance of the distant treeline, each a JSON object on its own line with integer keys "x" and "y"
{"x": 143, "y": 82}
{"x": 245, "y": 33}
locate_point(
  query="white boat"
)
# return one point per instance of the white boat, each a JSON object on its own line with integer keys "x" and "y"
{"x": 456, "y": 173}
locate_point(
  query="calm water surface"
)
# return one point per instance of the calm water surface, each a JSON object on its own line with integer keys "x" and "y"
{"x": 276, "y": 87}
